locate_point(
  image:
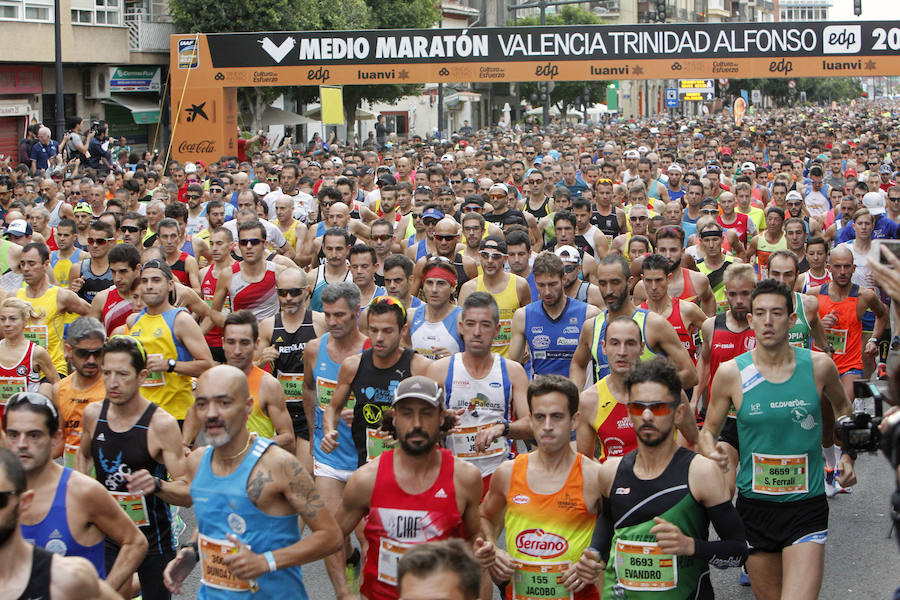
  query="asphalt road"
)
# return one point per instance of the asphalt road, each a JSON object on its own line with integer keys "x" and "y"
{"x": 860, "y": 560}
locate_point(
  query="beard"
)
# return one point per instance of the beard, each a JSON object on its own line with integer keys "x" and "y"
{"x": 418, "y": 449}
{"x": 7, "y": 529}
{"x": 653, "y": 442}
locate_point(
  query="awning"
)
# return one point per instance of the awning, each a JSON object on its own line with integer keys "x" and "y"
{"x": 144, "y": 110}
{"x": 277, "y": 116}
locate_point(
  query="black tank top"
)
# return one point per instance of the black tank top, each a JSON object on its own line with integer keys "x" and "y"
{"x": 648, "y": 498}
{"x": 93, "y": 284}
{"x": 290, "y": 344}
{"x": 117, "y": 453}
{"x": 608, "y": 224}
{"x": 39, "y": 580}
{"x": 541, "y": 211}
{"x": 373, "y": 389}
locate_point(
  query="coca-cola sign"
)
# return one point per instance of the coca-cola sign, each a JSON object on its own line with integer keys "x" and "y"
{"x": 201, "y": 147}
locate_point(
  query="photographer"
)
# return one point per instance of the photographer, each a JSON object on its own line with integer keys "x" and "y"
{"x": 99, "y": 157}
{"x": 76, "y": 146}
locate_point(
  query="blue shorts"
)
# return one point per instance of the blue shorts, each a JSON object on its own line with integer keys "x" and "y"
{"x": 854, "y": 372}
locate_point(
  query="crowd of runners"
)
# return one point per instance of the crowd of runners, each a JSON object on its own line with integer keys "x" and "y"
{"x": 535, "y": 362}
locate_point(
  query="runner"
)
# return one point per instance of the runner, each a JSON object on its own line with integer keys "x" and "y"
{"x": 414, "y": 493}
{"x": 398, "y": 270}
{"x": 130, "y": 444}
{"x": 545, "y": 332}
{"x": 434, "y": 327}
{"x": 113, "y": 305}
{"x": 509, "y": 290}
{"x": 779, "y": 393}
{"x": 487, "y": 391}
{"x": 22, "y": 362}
{"x": 92, "y": 275}
{"x": 575, "y": 287}
{"x": 808, "y": 326}
{"x": 184, "y": 266}
{"x": 446, "y": 235}
{"x": 67, "y": 254}
{"x": 220, "y": 246}
{"x": 50, "y": 300}
{"x": 287, "y": 334}
{"x": 173, "y": 341}
{"x": 332, "y": 470}
{"x": 336, "y": 246}
{"x": 247, "y": 494}
{"x": 653, "y": 539}
{"x": 371, "y": 378}
{"x": 32, "y": 572}
{"x": 71, "y": 513}
{"x": 765, "y": 243}
{"x": 714, "y": 260}
{"x": 817, "y": 250}
{"x": 659, "y": 336}
{"x": 551, "y": 493}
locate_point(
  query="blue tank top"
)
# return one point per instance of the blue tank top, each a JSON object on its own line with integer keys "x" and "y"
{"x": 450, "y": 324}
{"x": 552, "y": 342}
{"x": 532, "y": 284}
{"x": 325, "y": 371}
{"x": 93, "y": 284}
{"x": 421, "y": 249}
{"x": 53, "y": 532}
{"x": 222, "y": 506}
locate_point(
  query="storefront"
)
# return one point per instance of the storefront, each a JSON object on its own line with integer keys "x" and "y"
{"x": 132, "y": 109}
{"x": 20, "y": 88}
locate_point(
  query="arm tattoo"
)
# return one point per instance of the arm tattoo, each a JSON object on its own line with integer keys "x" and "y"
{"x": 257, "y": 483}
{"x": 301, "y": 490}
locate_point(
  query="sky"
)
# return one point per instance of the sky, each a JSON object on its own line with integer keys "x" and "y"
{"x": 872, "y": 10}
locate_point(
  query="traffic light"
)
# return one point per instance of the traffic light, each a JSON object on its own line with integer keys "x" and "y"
{"x": 661, "y": 10}
{"x": 857, "y": 7}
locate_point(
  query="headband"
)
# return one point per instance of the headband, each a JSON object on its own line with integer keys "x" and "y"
{"x": 439, "y": 272}
{"x": 711, "y": 233}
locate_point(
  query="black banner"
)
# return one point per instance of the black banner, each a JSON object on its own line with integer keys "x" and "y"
{"x": 580, "y": 42}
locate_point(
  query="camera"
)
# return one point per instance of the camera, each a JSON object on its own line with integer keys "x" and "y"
{"x": 859, "y": 432}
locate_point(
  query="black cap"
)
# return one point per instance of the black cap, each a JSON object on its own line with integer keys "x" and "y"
{"x": 514, "y": 217}
{"x": 366, "y": 170}
{"x": 387, "y": 180}
{"x": 446, "y": 191}
{"x": 493, "y": 242}
{"x": 350, "y": 172}
{"x": 216, "y": 181}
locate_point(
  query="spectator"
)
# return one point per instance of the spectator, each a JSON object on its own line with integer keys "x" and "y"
{"x": 45, "y": 151}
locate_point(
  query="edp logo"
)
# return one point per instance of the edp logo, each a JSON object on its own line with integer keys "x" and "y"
{"x": 841, "y": 39}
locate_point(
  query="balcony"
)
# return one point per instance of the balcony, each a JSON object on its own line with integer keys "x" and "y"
{"x": 147, "y": 32}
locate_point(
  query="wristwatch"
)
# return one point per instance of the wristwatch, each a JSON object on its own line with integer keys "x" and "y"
{"x": 171, "y": 363}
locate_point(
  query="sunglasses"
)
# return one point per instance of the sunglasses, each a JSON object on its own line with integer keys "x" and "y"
{"x": 381, "y": 238}
{"x": 570, "y": 268}
{"x": 84, "y": 353}
{"x": 129, "y": 229}
{"x": 284, "y": 292}
{"x": 471, "y": 208}
{"x": 444, "y": 237}
{"x": 325, "y": 204}
{"x": 709, "y": 211}
{"x": 5, "y": 496}
{"x": 456, "y": 181}
{"x": 250, "y": 242}
{"x": 99, "y": 241}
{"x": 659, "y": 409}
{"x": 535, "y": 181}
{"x": 430, "y": 222}
{"x": 491, "y": 255}
{"x": 216, "y": 190}
{"x": 32, "y": 398}
{"x": 192, "y": 196}
{"x": 272, "y": 178}
{"x": 633, "y": 219}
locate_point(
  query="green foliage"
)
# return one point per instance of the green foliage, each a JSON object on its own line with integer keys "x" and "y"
{"x": 565, "y": 93}
{"x": 818, "y": 89}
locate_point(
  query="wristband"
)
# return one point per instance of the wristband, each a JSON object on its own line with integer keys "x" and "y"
{"x": 192, "y": 546}
{"x": 505, "y": 429}
{"x": 874, "y": 340}
{"x": 157, "y": 485}
{"x": 270, "y": 558}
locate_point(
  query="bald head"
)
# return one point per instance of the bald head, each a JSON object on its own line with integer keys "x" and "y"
{"x": 222, "y": 378}
{"x": 840, "y": 253}
{"x": 339, "y": 208}
{"x": 447, "y": 226}
{"x": 291, "y": 278}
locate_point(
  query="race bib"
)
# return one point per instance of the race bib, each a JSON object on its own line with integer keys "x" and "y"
{"x": 154, "y": 378}
{"x": 69, "y": 453}
{"x": 39, "y": 334}
{"x": 461, "y": 441}
{"x": 134, "y": 505}
{"x": 214, "y": 573}
{"x": 377, "y": 443}
{"x": 837, "y": 338}
{"x": 10, "y": 386}
{"x": 292, "y": 385}
{"x": 389, "y": 553}
{"x": 776, "y": 475}
{"x": 504, "y": 335}
{"x": 540, "y": 581}
{"x": 642, "y": 567}
{"x": 721, "y": 306}
{"x": 226, "y": 307}
{"x": 325, "y": 391}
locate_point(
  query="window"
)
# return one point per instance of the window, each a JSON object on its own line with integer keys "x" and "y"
{"x": 9, "y": 11}
{"x": 84, "y": 17}
{"x": 33, "y": 10}
{"x": 37, "y": 13}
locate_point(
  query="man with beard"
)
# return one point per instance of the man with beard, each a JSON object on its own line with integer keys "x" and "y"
{"x": 683, "y": 284}
{"x": 261, "y": 488}
{"x": 653, "y": 535}
{"x": 544, "y": 332}
{"x": 71, "y": 513}
{"x": 781, "y": 494}
{"x": 372, "y": 378}
{"x": 112, "y": 306}
{"x": 131, "y": 444}
{"x": 659, "y": 336}
{"x": 674, "y": 186}
{"x": 287, "y": 333}
{"x": 323, "y": 358}
{"x": 509, "y": 290}
{"x": 563, "y": 500}
{"x": 446, "y": 236}
{"x": 30, "y": 571}
{"x": 411, "y": 486}
{"x": 196, "y": 220}
{"x": 173, "y": 342}
{"x": 725, "y": 336}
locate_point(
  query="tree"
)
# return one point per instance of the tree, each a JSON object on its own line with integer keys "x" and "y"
{"x": 566, "y": 94}
{"x": 818, "y": 89}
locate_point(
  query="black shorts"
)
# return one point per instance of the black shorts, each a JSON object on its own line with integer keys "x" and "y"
{"x": 298, "y": 420}
{"x": 729, "y": 433}
{"x": 773, "y": 526}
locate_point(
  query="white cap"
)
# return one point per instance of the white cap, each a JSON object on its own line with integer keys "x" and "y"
{"x": 449, "y": 157}
{"x": 874, "y": 201}
{"x": 499, "y": 187}
{"x": 675, "y": 167}
{"x": 632, "y": 154}
{"x": 261, "y": 189}
{"x": 189, "y": 168}
{"x": 794, "y": 195}
{"x": 337, "y": 161}
{"x": 643, "y": 149}
{"x": 568, "y": 254}
{"x": 748, "y": 166}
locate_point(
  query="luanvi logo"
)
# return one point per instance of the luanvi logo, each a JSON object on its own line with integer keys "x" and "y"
{"x": 196, "y": 110}
{"x": 278, "y": 52}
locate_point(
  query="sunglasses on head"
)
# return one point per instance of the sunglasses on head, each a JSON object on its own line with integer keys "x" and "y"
{"x": 284, "y": 292}
{"x": 659, "y": 409}
{"x": 32, "y": 398}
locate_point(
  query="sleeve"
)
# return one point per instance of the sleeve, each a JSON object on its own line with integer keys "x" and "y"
{"x": 601, "y": 541}
{"x": 731, "y": 549}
